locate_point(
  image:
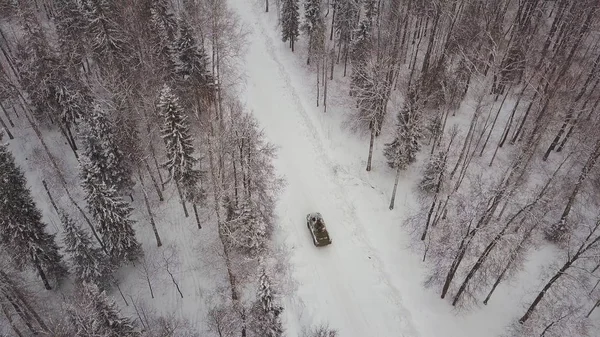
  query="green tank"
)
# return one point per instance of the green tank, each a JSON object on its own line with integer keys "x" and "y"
{"x": 316, "y": 226}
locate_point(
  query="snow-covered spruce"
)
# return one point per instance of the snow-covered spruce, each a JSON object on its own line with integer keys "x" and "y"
{"x": 290, "y": 22}
{"x": 266, "y": 312}
{"x": 112, "y": 214}
{"x": 88, "y": 263}
{"x": 93, "y": 313}
{"x": 194, "y": 80}
{"x": 106, "y": 162}
{"x": 402, "y": 151}
{"x": 246, "y": 232}
{"x": 21, "y": 228}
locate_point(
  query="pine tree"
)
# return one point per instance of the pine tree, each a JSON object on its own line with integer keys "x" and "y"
{"x": 403, "y": 149}
{"x": 93, "y": 313}
{"x": 88, "y": 263}
{"x": 70, "y": 28}
{"x": 266, "y": 313}
{"x": 180, "y": 150}
{"x": 434, "y": 167}
{"x": 176, "y": 135}
{"x": 290, "y": 21}
{"x": 107, "y": 161}
{"x": 359, "y": 57}
{"x": 192, "y": 67}
{"x": 21, "y": 228}
{"x": 248, "y": 233}
{"x": 108, "y": 39}
{"x": 112, "y": 214}
{"x": 163, "y": 27}
{"x": 314, "y": 26}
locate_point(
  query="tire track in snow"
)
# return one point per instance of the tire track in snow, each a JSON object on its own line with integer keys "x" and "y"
{"x": 359, "y": 235}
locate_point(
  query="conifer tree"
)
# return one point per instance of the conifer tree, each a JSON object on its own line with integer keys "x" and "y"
{"x": 107, "y": 161}
{"x": 21, "y": 228}
{"x": 70, "y": 28}
{"x": 314, "y": 26}
{"x": 403, "y": 149}
{"x": 163, "y": 27}
{"x": 112, "y": 214}
{"x": 194, "y": 79}
{"x": 346, "y": 21}
{"x": 290, "y": 21}
{"x": 88, "y": 263}
{"x": 266, "y": 312}
{"x": 248, "y": 233}
{"x": 109, "y": 42}
{"x": 178, "y": 142}
{"x": 93, "y": 313}
{"x": 359, "y": 57}
{"x": 434, "y": 167}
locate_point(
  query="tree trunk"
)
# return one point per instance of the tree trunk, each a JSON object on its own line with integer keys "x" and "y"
{"x": 325, "y": 84}
{"x": 149, "y": 209}
{"x": 524, "y": 119}
{"x": 185, "y": 211}
{"x": 494, "y": 122}
{"x": 156, "y": 187}
{"x": 196, "y": 215}
{"x": 539, "y": 297}
{"x": 42, "y": 274}
{"x": 10, "y": 320}
{"x": 590, "y": 163}
{"x": 266, "y": 10}
{"x": 50, "y": 197}
{"x": 371, "y": 142}
{"x": 486, "y": 252}
{"x": 6, "y": 129}
{"x": 395, "y": 188}
{"x": 7, "y": 115}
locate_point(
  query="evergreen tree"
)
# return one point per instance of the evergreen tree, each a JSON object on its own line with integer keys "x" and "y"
{"x": 21, "y": 228}
{"x": 266, "y": 313}
{"x": 290, "y": 21}
{"x": 88, "y": 263}
{"x": 107, "y": 162}
{"x": 93, "y": 313}
{"x": 360, "y": 51}
{"x": 314, "y": 26}
{"x": 194, "y": 79}
{"x": 345, "y": 20}
{"x": 434, "y": 167}
{"x": 70, "y": 28}
{"x": 178, "y": 142}
{"x": 163, "y": 28}
{"x": 176, "y": 135}
{"x": 248, "y": 233}
{"x": 403, "y": 149}
{"x": 109, "y": 42}
{"x": 112, "y": 214}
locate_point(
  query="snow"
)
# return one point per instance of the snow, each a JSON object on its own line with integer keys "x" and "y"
{"x": 368, "y": 282}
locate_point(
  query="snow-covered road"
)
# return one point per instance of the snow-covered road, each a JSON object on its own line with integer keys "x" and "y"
{"x": 343, "y": 284}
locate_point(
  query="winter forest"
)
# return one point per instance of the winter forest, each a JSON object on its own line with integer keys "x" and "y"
{"x": 158, "y": 159}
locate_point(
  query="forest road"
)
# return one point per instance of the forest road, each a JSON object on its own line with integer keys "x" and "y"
{"x": 343, "y": 284}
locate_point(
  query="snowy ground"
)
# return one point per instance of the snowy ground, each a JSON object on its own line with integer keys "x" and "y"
{"x": 368, "y": 282}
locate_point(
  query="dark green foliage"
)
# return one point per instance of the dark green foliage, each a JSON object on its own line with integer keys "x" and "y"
{"x": 112, "y": 214}
{"x": 402, "y": 151}
{"x": 100, "y": 145}
{"x": 290, "y": 21}
{"x": 21, "y": 228}
{"x": 434, "y": 167}
{"x": 266, "y": 312}
{"x": 93, "y": 313}
{"x": 88, "y": 263}
{"x": 193, "y": 77}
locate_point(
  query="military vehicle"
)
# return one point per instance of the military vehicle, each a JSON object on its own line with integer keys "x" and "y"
{"x": 316, "y": 226}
